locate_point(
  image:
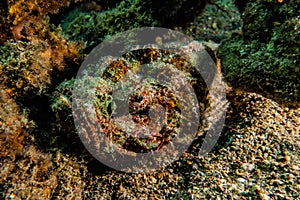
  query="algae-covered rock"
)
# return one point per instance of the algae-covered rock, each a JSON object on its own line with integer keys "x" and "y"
{"x": 93, "y": 26}
{"x": 217, "y": 22}
{"x": 22, "y": 71}
{"x": 266, "y": 57}
{"x": 170, "y": 13}
{"x": 24, "y": 13}
{"x": 30, "y": 68}
{"x": 43, "y": 158}
{"x": 4, "y": 24}
{"x": 14, "y": 125}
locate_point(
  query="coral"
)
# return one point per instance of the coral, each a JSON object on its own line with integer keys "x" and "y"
{"x": 266, "y": 57}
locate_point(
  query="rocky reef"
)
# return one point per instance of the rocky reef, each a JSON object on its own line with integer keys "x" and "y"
{"x": 265, "y": 56}
{"x": 43, "y": 43}
{"x": 93, "y": 26}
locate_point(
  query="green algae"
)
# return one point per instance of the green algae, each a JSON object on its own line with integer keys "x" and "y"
{"x": 93, "y": 27}
{"x": 266, "y": 57}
